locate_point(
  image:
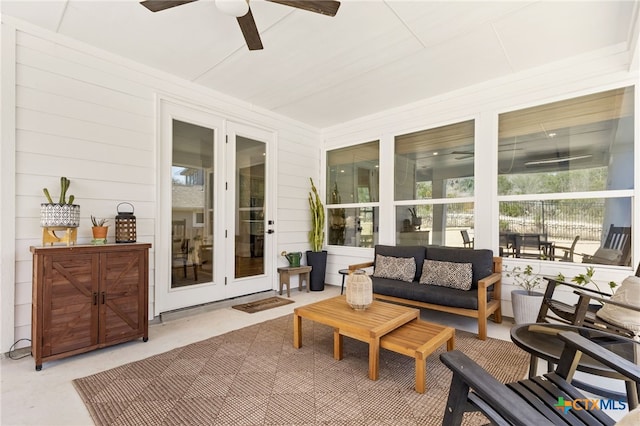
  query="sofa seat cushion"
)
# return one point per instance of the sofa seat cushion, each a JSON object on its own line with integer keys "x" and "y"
{"x": 447, "y": 274}
{"x": 417, "y": 252}
{"x": 397, "y": 268}
{"x": 480, "y": 259}
{"x": 444, "y": 296}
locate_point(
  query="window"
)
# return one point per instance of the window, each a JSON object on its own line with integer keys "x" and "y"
{"x": 565, "y": 177}
{"x": 434, "y": 185}
{"x": 352, "y": 195}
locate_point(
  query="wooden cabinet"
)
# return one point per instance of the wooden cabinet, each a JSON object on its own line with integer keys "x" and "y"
{"x": 88, "y": 297}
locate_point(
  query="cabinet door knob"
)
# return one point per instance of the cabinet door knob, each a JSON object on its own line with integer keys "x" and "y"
{"x": 95, "y": 299}
{"x": 104, "y": 297}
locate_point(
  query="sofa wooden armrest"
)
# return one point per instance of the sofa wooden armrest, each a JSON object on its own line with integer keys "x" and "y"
{"x": 357, "y": 266}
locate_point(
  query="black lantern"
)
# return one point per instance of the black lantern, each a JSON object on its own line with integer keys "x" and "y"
{"x": 125, "y": 226}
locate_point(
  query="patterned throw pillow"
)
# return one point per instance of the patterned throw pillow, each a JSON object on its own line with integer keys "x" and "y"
{"x": 447, "y": 274}
{"x": 395, "y": 268}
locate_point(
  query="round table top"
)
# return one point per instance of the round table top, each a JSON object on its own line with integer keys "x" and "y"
{"x": 542, "y": 341}
{"x": 347, "y": 271}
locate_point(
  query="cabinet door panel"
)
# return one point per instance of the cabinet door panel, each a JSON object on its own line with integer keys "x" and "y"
{"x": 123, "y": 282}
{"x": 71, "y": 312}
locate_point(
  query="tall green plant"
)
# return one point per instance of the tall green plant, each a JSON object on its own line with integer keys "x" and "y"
{"x": 64, "y": 187}
{"x": 316, "y": 235}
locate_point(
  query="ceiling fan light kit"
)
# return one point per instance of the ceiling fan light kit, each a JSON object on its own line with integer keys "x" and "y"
{"x": 235, "y": 8}
{"x": 241, "y": 10}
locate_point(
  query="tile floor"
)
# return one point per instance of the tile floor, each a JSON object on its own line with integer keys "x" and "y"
{"x": 48, "y": 398}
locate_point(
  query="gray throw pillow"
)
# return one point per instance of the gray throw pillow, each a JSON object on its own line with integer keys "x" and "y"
{"x": 395, "y": 268}
{"x": 447, "y": 274}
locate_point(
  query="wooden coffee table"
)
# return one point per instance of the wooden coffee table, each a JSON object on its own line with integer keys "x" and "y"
{"x": 367, "y": 326}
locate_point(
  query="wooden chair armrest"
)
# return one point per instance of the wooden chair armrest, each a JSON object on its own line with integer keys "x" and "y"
{"x": 357, "y": 266}
{"x": 612, "y": 302}
{"x": 573, "y": 341}
{"x": 555, "y": 282}
{"x": 495, "y": 394}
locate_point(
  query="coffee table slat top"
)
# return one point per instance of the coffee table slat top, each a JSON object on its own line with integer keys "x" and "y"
{"x": 377, "y": 320}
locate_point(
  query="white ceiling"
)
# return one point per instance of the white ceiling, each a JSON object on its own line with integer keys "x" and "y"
{"x": 373, "y": 55}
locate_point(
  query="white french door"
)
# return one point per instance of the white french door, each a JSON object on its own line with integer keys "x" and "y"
{"x": 215, "y": 202}
{"x": 189, "y": 262}
{"x": 249, "y": 225}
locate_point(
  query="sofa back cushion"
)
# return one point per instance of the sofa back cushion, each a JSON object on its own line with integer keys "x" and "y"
{"x": 417, "y": 252}
{"x": 481, "y": 260}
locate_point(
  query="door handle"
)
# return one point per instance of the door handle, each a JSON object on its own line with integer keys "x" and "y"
{"x": 270, "y": 231}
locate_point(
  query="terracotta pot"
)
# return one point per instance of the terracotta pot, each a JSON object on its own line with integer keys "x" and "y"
{"x": 99, "y": 232}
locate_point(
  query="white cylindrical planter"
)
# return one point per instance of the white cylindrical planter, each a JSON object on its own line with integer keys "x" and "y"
{"x": 526, "y": 306}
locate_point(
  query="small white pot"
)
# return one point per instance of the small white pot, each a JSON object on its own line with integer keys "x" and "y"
{"x": 525, "y": 306}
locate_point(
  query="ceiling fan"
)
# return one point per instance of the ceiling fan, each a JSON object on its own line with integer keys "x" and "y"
{"x": 241, "y": 10}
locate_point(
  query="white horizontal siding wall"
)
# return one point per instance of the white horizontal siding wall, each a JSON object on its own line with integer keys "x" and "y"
{"x": 91, "y": 116}
{"x": 573, "y": 77}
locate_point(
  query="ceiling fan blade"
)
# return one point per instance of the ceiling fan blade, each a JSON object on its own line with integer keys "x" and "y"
{"x": 250, "y": 31}
{"x": 324, "y": 7}
{"x": 158, "y": 5}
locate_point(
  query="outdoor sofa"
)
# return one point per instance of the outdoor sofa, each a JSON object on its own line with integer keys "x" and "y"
{"x": 460, "y": 281}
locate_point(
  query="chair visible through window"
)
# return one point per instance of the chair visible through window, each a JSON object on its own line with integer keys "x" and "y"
{"x": 568, "y": 251}
{"x": 180, "y": 248}
{"x": 616, "y": 249}
{"x": 466, "y": 240}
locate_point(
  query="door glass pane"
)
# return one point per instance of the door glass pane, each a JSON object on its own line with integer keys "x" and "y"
{"x": 192, "y": 205}
{"x": 250, "y": 196}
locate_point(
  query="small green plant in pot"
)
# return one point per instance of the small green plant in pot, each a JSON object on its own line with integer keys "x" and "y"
{"x": 316, "y": 257}
{"x": 99, "y": 230}
{"x": 525, "y": 302}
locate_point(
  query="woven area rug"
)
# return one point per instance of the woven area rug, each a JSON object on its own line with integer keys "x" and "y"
{"x": 254, "y": 376}
{"x": 262, "y": 305}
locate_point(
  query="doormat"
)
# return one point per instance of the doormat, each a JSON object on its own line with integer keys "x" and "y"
{"x": 262, "y": 305}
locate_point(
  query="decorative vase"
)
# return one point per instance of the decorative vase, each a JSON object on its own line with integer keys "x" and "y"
{"x": 318, "y": 261}
{"x": 359, "y": 291}
{"x": 526, "y": 306}
{"x": 56, "y": 214}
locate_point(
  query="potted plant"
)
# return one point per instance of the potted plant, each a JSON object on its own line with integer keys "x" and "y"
{"x": 63, "y": 213}
{"x": 525, "y": 301}
{"x": 416, "y": 221}
{"x": 99, "y": 230}
{"x": 316, "y": 257}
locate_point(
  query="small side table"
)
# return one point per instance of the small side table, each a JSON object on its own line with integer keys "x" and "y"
{"x": 286, "y": 272}
{"x": 344, "y": 273}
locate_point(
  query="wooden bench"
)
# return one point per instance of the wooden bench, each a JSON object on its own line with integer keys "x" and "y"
{"x": 285, "y": 274}
{"x": 418, "y": 339}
